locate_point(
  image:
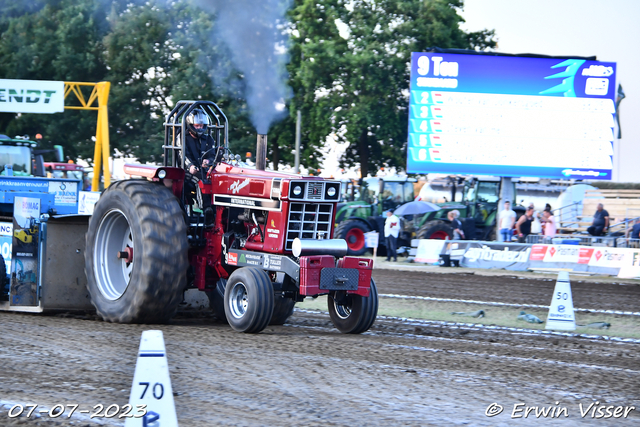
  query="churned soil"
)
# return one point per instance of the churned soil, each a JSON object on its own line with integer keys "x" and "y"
{"x": 401, "y": 372}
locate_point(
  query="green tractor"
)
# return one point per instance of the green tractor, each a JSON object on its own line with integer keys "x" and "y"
{"x": 478, "y": 210}
{"x": 373, "y": 196}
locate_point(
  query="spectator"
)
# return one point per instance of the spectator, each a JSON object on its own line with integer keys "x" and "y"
{"x": 507, "y": 218}
{"x": 634, "y": 233}
{"x": 600, "y": 223}
{"x": 536, "y": 225}
{"x": 391, "y": 231}
{"x": 549, "y": 224}
{"x": 523, "y": 226}
{"x": 458, "y": 234}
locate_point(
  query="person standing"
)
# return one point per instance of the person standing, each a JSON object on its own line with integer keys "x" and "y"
{"x": 523, "y": 226}
{"x": 456, "y": 225}
{"x": 507, "y": 218}
{"x": 391, "y": 232}
{"x": 600, "y": 223}
{"x": 549, "y": 225}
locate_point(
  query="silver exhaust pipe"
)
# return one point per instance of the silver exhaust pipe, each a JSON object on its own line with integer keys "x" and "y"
{"x": 334, "y": 247}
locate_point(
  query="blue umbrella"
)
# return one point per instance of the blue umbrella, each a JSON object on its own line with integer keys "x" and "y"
{"x": 416, "y": 208}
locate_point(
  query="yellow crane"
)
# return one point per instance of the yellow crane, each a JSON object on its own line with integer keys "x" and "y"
{"x": 97, "y": 101}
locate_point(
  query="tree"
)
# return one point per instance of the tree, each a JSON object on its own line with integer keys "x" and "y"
{"x": 57, "y": 40}
{"x": 354, "y": 82}
{"x": 151, "y": 57}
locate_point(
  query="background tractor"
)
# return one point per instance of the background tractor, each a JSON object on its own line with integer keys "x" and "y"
{"x": 259, "y": 242}
{"x": 373, "y": 197}
{"x": 478, "y": 210}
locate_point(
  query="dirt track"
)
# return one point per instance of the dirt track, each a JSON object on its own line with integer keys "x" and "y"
{"x": 306, "y": 373}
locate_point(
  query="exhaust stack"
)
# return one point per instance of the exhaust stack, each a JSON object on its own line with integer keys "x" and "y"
{"x": 261, "y": 152}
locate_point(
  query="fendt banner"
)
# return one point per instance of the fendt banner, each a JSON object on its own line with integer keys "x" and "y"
{"x": 31, "y": 96}
{"x": 511, "y": 116}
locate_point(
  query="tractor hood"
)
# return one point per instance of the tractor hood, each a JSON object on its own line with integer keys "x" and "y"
{"x": 247, "y": 182}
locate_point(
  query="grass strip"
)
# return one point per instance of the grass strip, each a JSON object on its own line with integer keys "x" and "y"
{"x": 621, "y": 326}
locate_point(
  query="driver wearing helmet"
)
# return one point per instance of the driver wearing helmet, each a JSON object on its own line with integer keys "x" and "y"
{"x": 199, "y": 145}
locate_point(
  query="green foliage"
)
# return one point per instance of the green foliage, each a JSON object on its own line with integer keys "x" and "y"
{"x": 355, "y": 85}
{"x": 156, "y": 52}
{"x": 60, "y": 41}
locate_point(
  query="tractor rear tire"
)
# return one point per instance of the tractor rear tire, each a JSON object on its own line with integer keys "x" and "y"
{"x": 352, "y": 231}
{"x": 282, "y": 309}
{"x": 356, "y": 313}
{"x": 216, "y": 300}
{"x": 145, "y": 220}
{"x": 439, "y": 230}
{"x": 248, "y": 300}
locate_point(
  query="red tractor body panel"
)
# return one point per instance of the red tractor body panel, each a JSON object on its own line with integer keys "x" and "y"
{"x": 311, "y": 268}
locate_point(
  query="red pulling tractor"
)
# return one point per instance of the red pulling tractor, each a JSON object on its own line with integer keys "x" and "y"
{"x": 260, "y": 242}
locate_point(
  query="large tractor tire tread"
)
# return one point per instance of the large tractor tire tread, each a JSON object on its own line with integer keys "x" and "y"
{"x": 350, "y": 230}
{"x": 159, "y": 235}
{"x": 358, "y": 315}
{"x": 435, "y": 230}
{"x": 282, "y": 309}
{"x": 252, "y": 313}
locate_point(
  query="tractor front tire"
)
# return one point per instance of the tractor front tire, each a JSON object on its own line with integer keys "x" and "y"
{"x": 136, "y": 253}
{"x": 282, "y": 309}
{"x": 248, "y": 300}
{"x": 353, "y": 314}
{"x": 352, "y": 231}
{"x": 435, "y": 230}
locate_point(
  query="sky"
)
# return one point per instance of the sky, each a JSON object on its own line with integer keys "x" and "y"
{"x": 607, "y": 29}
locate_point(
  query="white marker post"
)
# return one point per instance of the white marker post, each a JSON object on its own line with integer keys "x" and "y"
{"x": 152, "y": 385}
{"x": 561, "y": 316}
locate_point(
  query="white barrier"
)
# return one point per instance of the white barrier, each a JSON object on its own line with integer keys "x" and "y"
{"x": 623, "y": 262}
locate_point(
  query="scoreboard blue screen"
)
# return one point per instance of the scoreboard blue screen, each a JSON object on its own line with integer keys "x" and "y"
{"x": 511, "y": 116}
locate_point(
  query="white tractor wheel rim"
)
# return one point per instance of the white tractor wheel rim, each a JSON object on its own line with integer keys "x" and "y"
{"x": 238, "y": 301}
{"x": 112, "y": 273}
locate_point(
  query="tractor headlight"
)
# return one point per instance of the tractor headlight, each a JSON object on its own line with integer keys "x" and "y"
{"x": 331, "y": 191}
{"x": 162, "y": 174}
{"x": 297, "y": 190}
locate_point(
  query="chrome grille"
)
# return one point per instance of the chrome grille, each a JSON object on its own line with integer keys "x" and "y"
{"x": 315, "y": 191}
{"x": 308, "y": 221}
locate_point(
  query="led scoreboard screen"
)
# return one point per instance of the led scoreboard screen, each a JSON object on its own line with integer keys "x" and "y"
{"x": 511, "y": 116}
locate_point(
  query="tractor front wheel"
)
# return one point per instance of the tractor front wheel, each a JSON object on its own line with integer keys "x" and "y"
{"x": 352, "y": 231}
{"x": 353, "y": 314}
{"x": 136, "y": 253}
{"x": 282, "y": 309}
{"x": 248, "y": 300}
{"x": 439, "y": 230}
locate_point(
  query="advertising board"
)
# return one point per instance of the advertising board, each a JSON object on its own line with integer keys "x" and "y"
{"x": 511, "y": 116}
